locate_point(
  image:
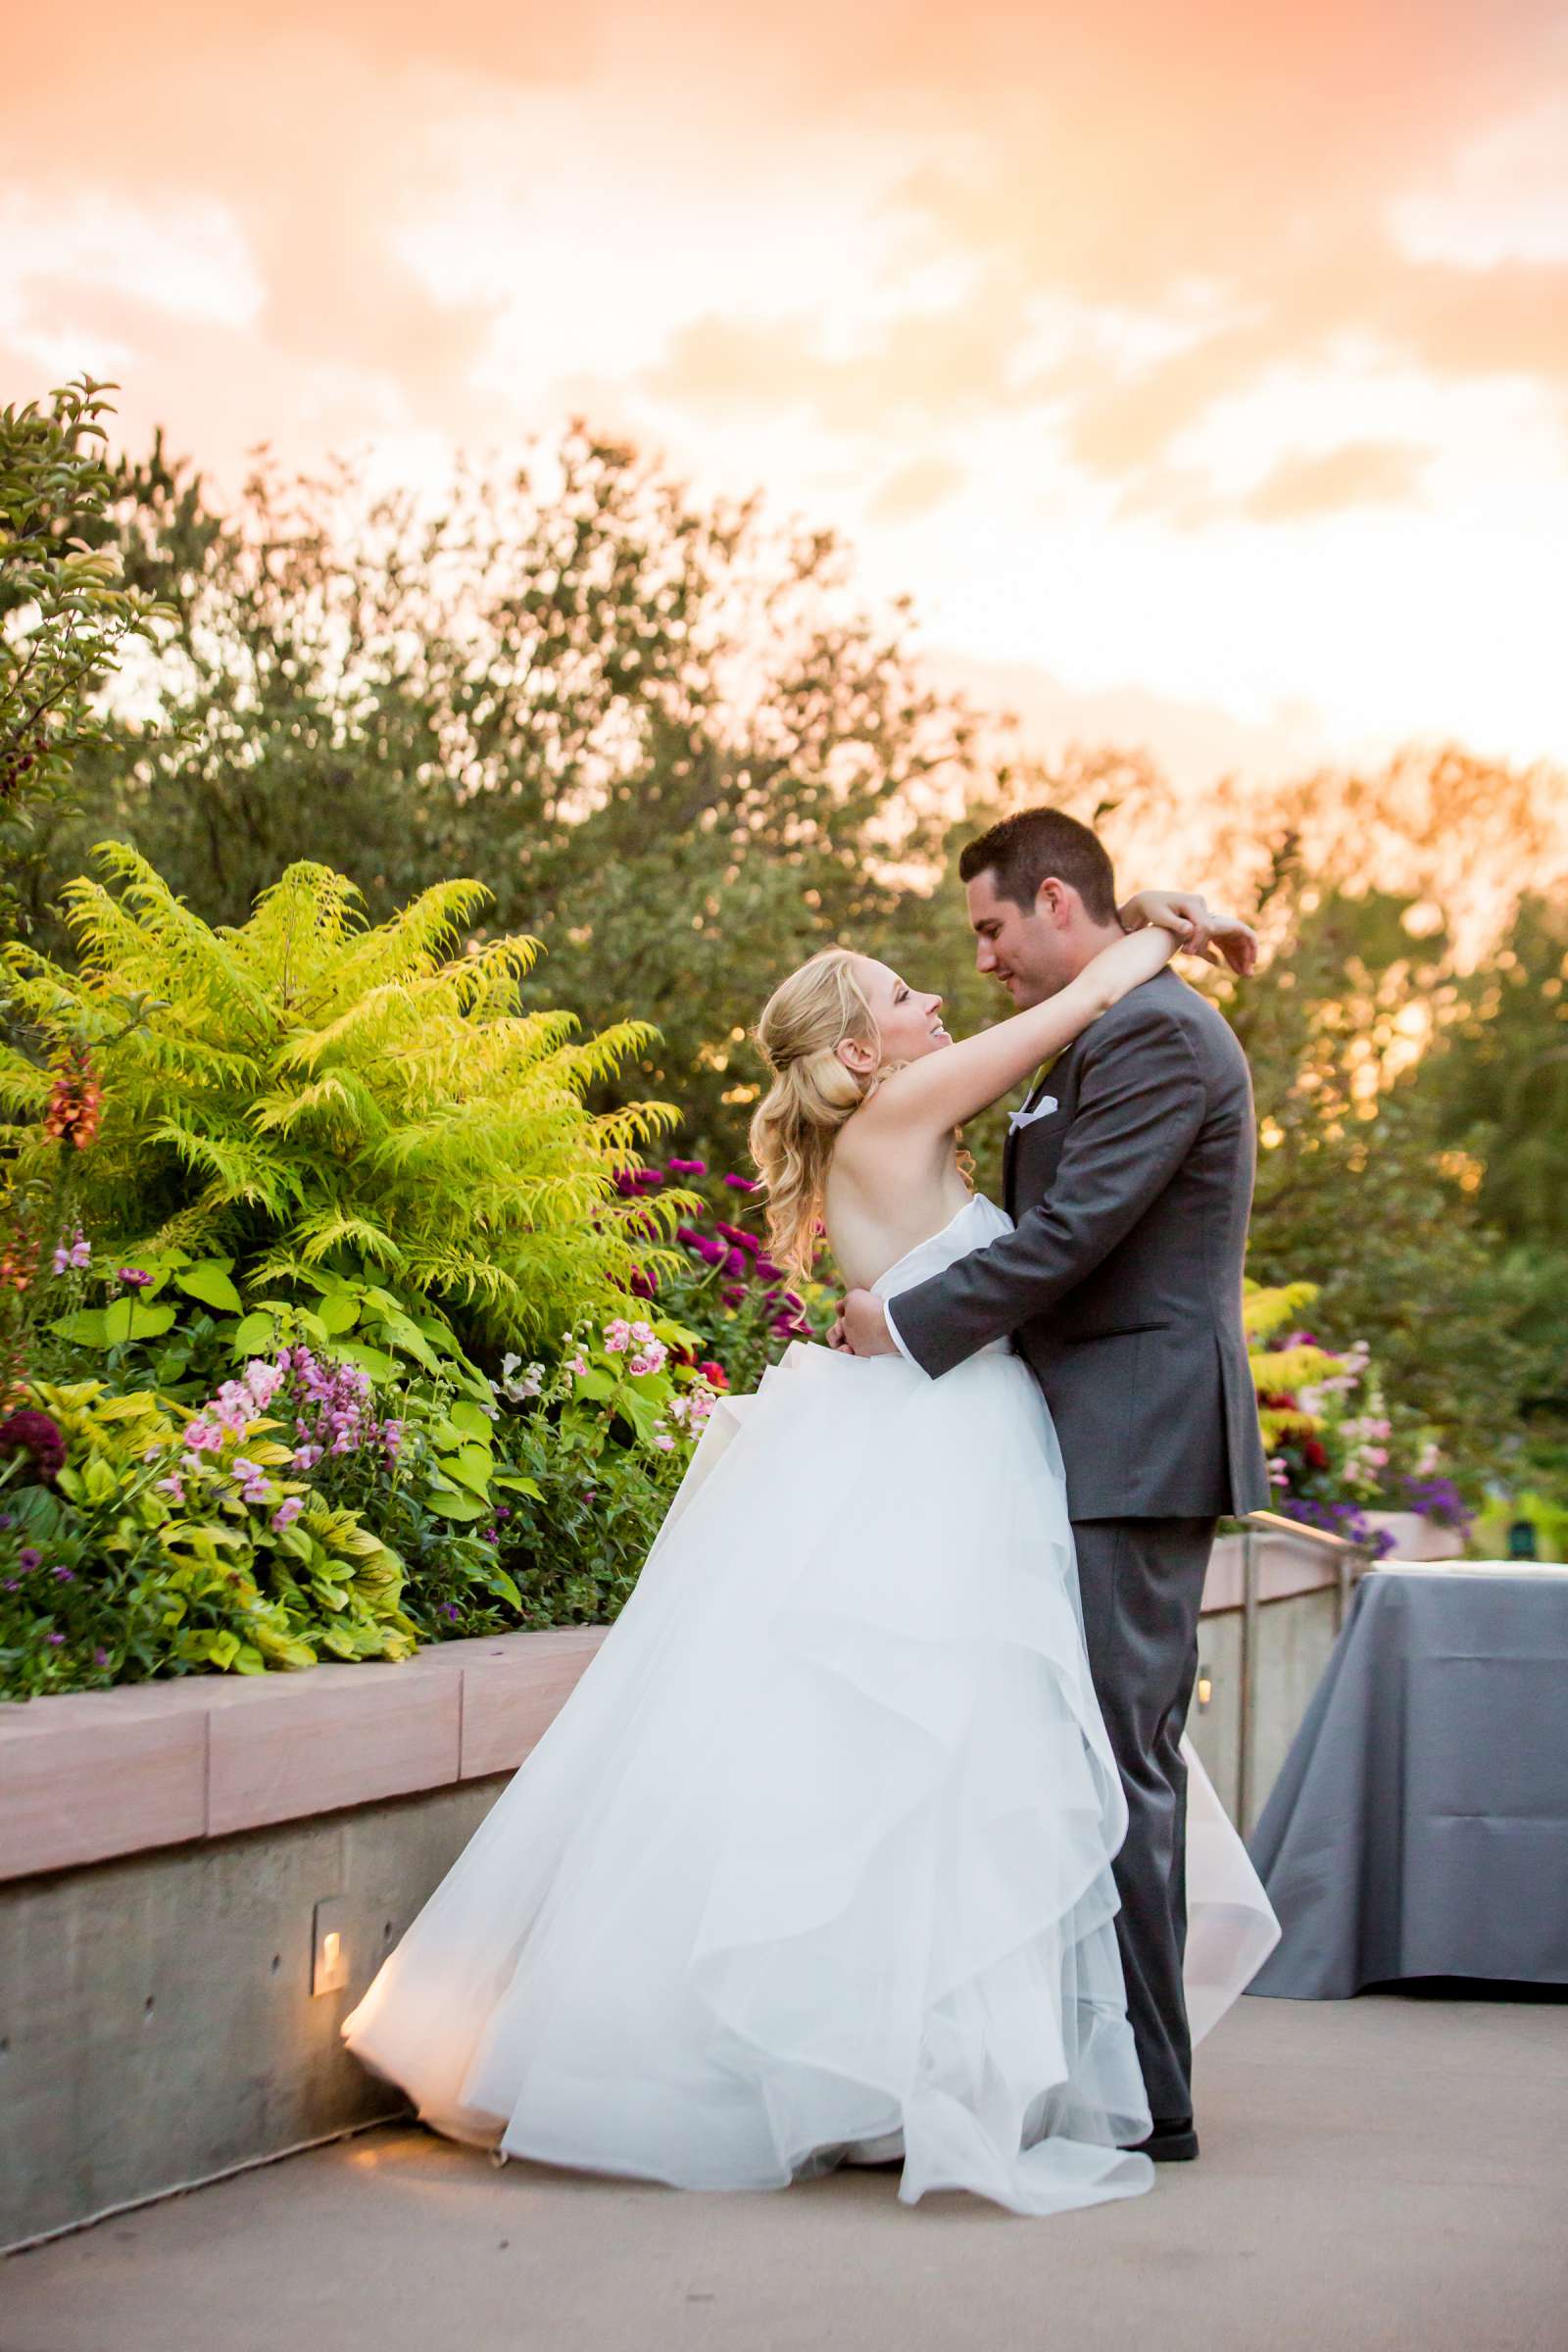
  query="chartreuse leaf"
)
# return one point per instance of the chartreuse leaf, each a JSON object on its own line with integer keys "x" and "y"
{"x": 130, "y": 1319}
{"x": 452, "y": 1503}
{"x": 472, "y": 1419}
{"x": 86, "y": 1326}
{"x": 371, "y": 1361}
{"x": 472, "y": 1467}
{"x": 209, "y": 1281}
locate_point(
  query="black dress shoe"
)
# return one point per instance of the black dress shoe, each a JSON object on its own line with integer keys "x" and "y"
{"x": 1167, "y": 2143}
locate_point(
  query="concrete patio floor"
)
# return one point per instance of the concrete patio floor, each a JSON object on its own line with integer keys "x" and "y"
{"x": 1379, "y": 2173}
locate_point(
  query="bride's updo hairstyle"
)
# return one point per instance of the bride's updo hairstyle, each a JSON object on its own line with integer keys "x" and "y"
{"x": 804, "y": 1021}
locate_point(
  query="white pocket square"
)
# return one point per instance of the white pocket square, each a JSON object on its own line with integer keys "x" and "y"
{"x": 1026, "y": 1118}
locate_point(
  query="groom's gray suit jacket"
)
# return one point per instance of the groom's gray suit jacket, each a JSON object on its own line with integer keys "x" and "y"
{"x": 1121, "y": 1284}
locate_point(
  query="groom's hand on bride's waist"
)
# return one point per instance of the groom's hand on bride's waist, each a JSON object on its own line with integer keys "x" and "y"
{"x": 862, "y": 1327}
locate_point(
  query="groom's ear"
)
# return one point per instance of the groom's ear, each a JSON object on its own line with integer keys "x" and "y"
{"x": 1055, "y": 900}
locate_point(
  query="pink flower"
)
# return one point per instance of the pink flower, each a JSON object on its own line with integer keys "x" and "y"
{"x": 617, "y": 1337}
{"x": 665, "y": 1443}
{"x": 287, "y": 1512}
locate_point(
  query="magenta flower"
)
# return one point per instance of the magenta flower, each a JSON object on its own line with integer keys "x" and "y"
{"x": 687, "y": 1167}
{"x": 36, "y": 1436}
{"x": 742, "y": 1184}
{"x": 133, "y": 1278}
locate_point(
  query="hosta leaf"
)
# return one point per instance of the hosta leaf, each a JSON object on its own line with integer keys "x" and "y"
{"x": 258, "y": 1331}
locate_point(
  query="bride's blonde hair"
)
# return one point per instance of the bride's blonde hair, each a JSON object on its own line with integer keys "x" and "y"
{"x": 805, "y": 1020}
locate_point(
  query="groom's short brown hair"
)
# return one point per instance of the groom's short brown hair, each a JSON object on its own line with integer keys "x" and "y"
{"x": 1024, "y": 851}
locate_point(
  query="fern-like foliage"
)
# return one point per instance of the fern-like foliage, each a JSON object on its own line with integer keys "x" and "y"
{"x": 1282, "y": 1371}
{"x": 306, "y": 1089}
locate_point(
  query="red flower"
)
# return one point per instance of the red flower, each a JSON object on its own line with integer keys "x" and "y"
{"x": 76, "y": 1103}
{"x": 1313, "y": 1454}
{"x": 714, "y": 1374}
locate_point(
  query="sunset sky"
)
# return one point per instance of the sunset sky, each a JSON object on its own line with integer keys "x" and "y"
{"x": 1201, "y": 369}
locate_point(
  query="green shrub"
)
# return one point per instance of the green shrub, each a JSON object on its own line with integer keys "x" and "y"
{"x": 145, "y": 1555}
{"x": 305, "y": 1092}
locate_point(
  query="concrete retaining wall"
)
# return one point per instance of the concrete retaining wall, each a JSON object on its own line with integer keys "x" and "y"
{"x": 157, "y": 2023}
{"x": 166, "y": 1848}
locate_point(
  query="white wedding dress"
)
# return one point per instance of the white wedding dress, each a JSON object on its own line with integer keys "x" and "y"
{"x": 814, "y": 1863}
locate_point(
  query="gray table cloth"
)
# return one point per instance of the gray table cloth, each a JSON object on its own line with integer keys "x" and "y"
{"x": 1420, "y": 1825}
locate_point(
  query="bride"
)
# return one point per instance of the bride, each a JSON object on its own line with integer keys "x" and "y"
{"x": 815, "y": 1865}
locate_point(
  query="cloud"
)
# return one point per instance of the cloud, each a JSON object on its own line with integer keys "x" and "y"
{"x": 915, "y": 489}
{"x": 1360, "y": 473}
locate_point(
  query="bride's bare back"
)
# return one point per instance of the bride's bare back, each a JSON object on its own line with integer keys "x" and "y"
{"x": 895, "y": 1179}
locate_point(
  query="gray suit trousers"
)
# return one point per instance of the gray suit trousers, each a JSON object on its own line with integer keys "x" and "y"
{"x": 1142, "y": 1582}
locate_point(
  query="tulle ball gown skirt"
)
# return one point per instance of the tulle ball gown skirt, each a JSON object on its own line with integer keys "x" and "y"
{"x": 815, "y": 1861}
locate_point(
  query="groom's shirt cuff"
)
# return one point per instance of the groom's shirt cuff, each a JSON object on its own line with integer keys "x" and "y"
{"x": 895, "y": 1335}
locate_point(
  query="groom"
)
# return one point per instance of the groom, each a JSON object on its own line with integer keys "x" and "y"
{"x": 1128, "y": 1176}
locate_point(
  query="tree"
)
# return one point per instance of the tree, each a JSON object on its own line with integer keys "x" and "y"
{"x": 67, "y": 616}
{"x": 667, "y": 736}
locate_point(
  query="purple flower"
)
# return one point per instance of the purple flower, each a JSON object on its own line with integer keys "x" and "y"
{"x": 687, "y": 1167}
{"x": 133, "y": 1278}
{"x": 100, "y": 1657}
{"x": 713, "y": 1252}
{"x": 449, "y": 1608}
{"x": 56, "y": 1640}
{"x": 742, "y": 1184}
{"x": 65, "y": 1576}
{"x": 27, "y": 1559}
{"x": 38, "y": 1438}
{"x": 733, "y": 1293}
